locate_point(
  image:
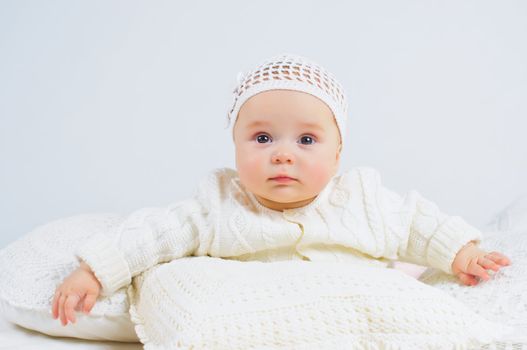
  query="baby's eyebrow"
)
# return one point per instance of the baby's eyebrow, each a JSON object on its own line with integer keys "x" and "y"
{"x": 312, "y": 125}
{"x": 258, "y": 123}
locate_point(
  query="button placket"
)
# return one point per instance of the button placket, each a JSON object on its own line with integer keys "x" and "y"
{"x": 292, "y": 216}
{"x": 295, "y": 217}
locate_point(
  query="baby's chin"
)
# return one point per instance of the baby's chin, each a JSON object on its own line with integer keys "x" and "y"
{"x": 284, "y": 199}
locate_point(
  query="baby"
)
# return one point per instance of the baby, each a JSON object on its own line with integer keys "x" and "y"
{"x": 285, "y": 201}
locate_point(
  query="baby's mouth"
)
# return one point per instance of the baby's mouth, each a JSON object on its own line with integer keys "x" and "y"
{"x": 283, "y": 179}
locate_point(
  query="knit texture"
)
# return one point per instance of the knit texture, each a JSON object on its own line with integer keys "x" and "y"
{"x": 354, "y": 219}
{"x": 503, "y": 299}
{"x": 291, "y": 72}
{"x": 32, "y": 267}
{"x": 211, "y": 303}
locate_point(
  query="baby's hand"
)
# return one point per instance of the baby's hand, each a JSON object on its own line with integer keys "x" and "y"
{"x": 471, "y": 262}
{"x": 80, "y": 288}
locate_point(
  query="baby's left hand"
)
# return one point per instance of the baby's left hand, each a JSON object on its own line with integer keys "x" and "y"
{"x": 471, "y": 262}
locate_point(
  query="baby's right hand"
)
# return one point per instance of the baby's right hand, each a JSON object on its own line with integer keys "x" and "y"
{"x": 80, "y": 288}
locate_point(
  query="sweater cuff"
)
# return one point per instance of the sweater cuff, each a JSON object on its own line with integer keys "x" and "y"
{"x": 106, "y": 262}
{"x": 449, "y": 238}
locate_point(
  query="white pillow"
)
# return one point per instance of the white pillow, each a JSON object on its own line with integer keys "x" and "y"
{"x": 503, "y": 298}
{"x": 513, "y": 217}
{"x": 33, "y": 266}
{"x": 410, "y": 269}
{"x": 211, "y": 303}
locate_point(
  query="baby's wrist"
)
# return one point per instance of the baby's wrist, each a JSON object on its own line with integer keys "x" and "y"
{"x": 85, "y": 267}
{"x": 470, "y": 243}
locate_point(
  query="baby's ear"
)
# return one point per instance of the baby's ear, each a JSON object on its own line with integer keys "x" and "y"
{"x": 339, "y": 151}
{"x": 337, "y": 160}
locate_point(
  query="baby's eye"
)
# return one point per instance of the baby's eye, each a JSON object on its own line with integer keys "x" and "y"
{"x": 307, "y": 140}
{"x": 262, "y": 138}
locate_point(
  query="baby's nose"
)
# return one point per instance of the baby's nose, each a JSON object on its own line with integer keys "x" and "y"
{"x": 282, "y": 157}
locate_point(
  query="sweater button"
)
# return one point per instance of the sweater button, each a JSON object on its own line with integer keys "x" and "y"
{"x": 291, "y": 214}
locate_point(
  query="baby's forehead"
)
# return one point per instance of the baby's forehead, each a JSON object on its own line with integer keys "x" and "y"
{"x": 285, "y": 105}
{"x": 301, "y": 122}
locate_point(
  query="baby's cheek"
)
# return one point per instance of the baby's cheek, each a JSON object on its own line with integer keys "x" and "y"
{"x": 249, "y": 169}
{"x": 320, "y": 175}
{"x": 251, "y": 164}
{"x": 247, "y": 175}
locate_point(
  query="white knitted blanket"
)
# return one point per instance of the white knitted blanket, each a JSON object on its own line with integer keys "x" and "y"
{"x": 46, "y": 258}
{"x": 211, "y": 303}
{"x": 504, "y": 298}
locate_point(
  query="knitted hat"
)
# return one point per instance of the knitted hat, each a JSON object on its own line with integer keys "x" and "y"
{"x": 291, "y": 72}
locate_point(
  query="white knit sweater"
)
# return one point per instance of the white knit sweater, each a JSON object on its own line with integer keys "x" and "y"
{"x": 354, "y": 219}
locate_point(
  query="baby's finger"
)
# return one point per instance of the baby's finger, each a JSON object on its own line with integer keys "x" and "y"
{"x": 89, "y": 301}
{"x": 475, "y": 269}
{"x": 466, "y": 279}
{"x": 71, "y": 301}
{"x": 498, "y": 258}
{"x": 79, "y": 306}
{"x": 55, "y": 305}
{"x": 488, "y": 264}
{"x": 62, "y": 315}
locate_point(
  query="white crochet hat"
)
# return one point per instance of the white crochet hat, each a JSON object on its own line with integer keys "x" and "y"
{"x": 291, "y": 72}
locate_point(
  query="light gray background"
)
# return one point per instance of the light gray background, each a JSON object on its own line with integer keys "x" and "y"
{"x": 110, "y": 106}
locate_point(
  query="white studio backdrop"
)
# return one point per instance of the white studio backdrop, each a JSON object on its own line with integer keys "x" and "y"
{"x": 111, "y": 106}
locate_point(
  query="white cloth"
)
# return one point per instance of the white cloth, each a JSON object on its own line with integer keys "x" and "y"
{"x": 211, "y": 303}
{"x": 354, "y": 219}
{"x": 513, "y": 217}
{"x": 13, "y": 337}
{"x": 502, "y": 299}
{"x": 33, "y": 266}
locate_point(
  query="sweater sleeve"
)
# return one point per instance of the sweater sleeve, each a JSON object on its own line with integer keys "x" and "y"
{"x": 145, "y": 238}
{"x": 421, "y": 232}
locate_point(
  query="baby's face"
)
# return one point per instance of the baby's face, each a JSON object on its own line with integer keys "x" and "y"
{"x": 286, "y": 133}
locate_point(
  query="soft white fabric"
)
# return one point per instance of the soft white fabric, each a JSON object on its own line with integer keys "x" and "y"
{"x": 410, "y": 269}
{"x": 211, "y": 303}
{"x": 502, "y": 299}
{"x": 13, "y": 337}
{"x": 513, "y": 217}
{"x": 33, "y": 266}
{"x": 354, "y": 219}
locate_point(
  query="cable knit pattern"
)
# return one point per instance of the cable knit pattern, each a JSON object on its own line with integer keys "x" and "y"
{"x": 211, "y": 303}
{"x": 352, "y": 220}
{"x": 504, "y": 298}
